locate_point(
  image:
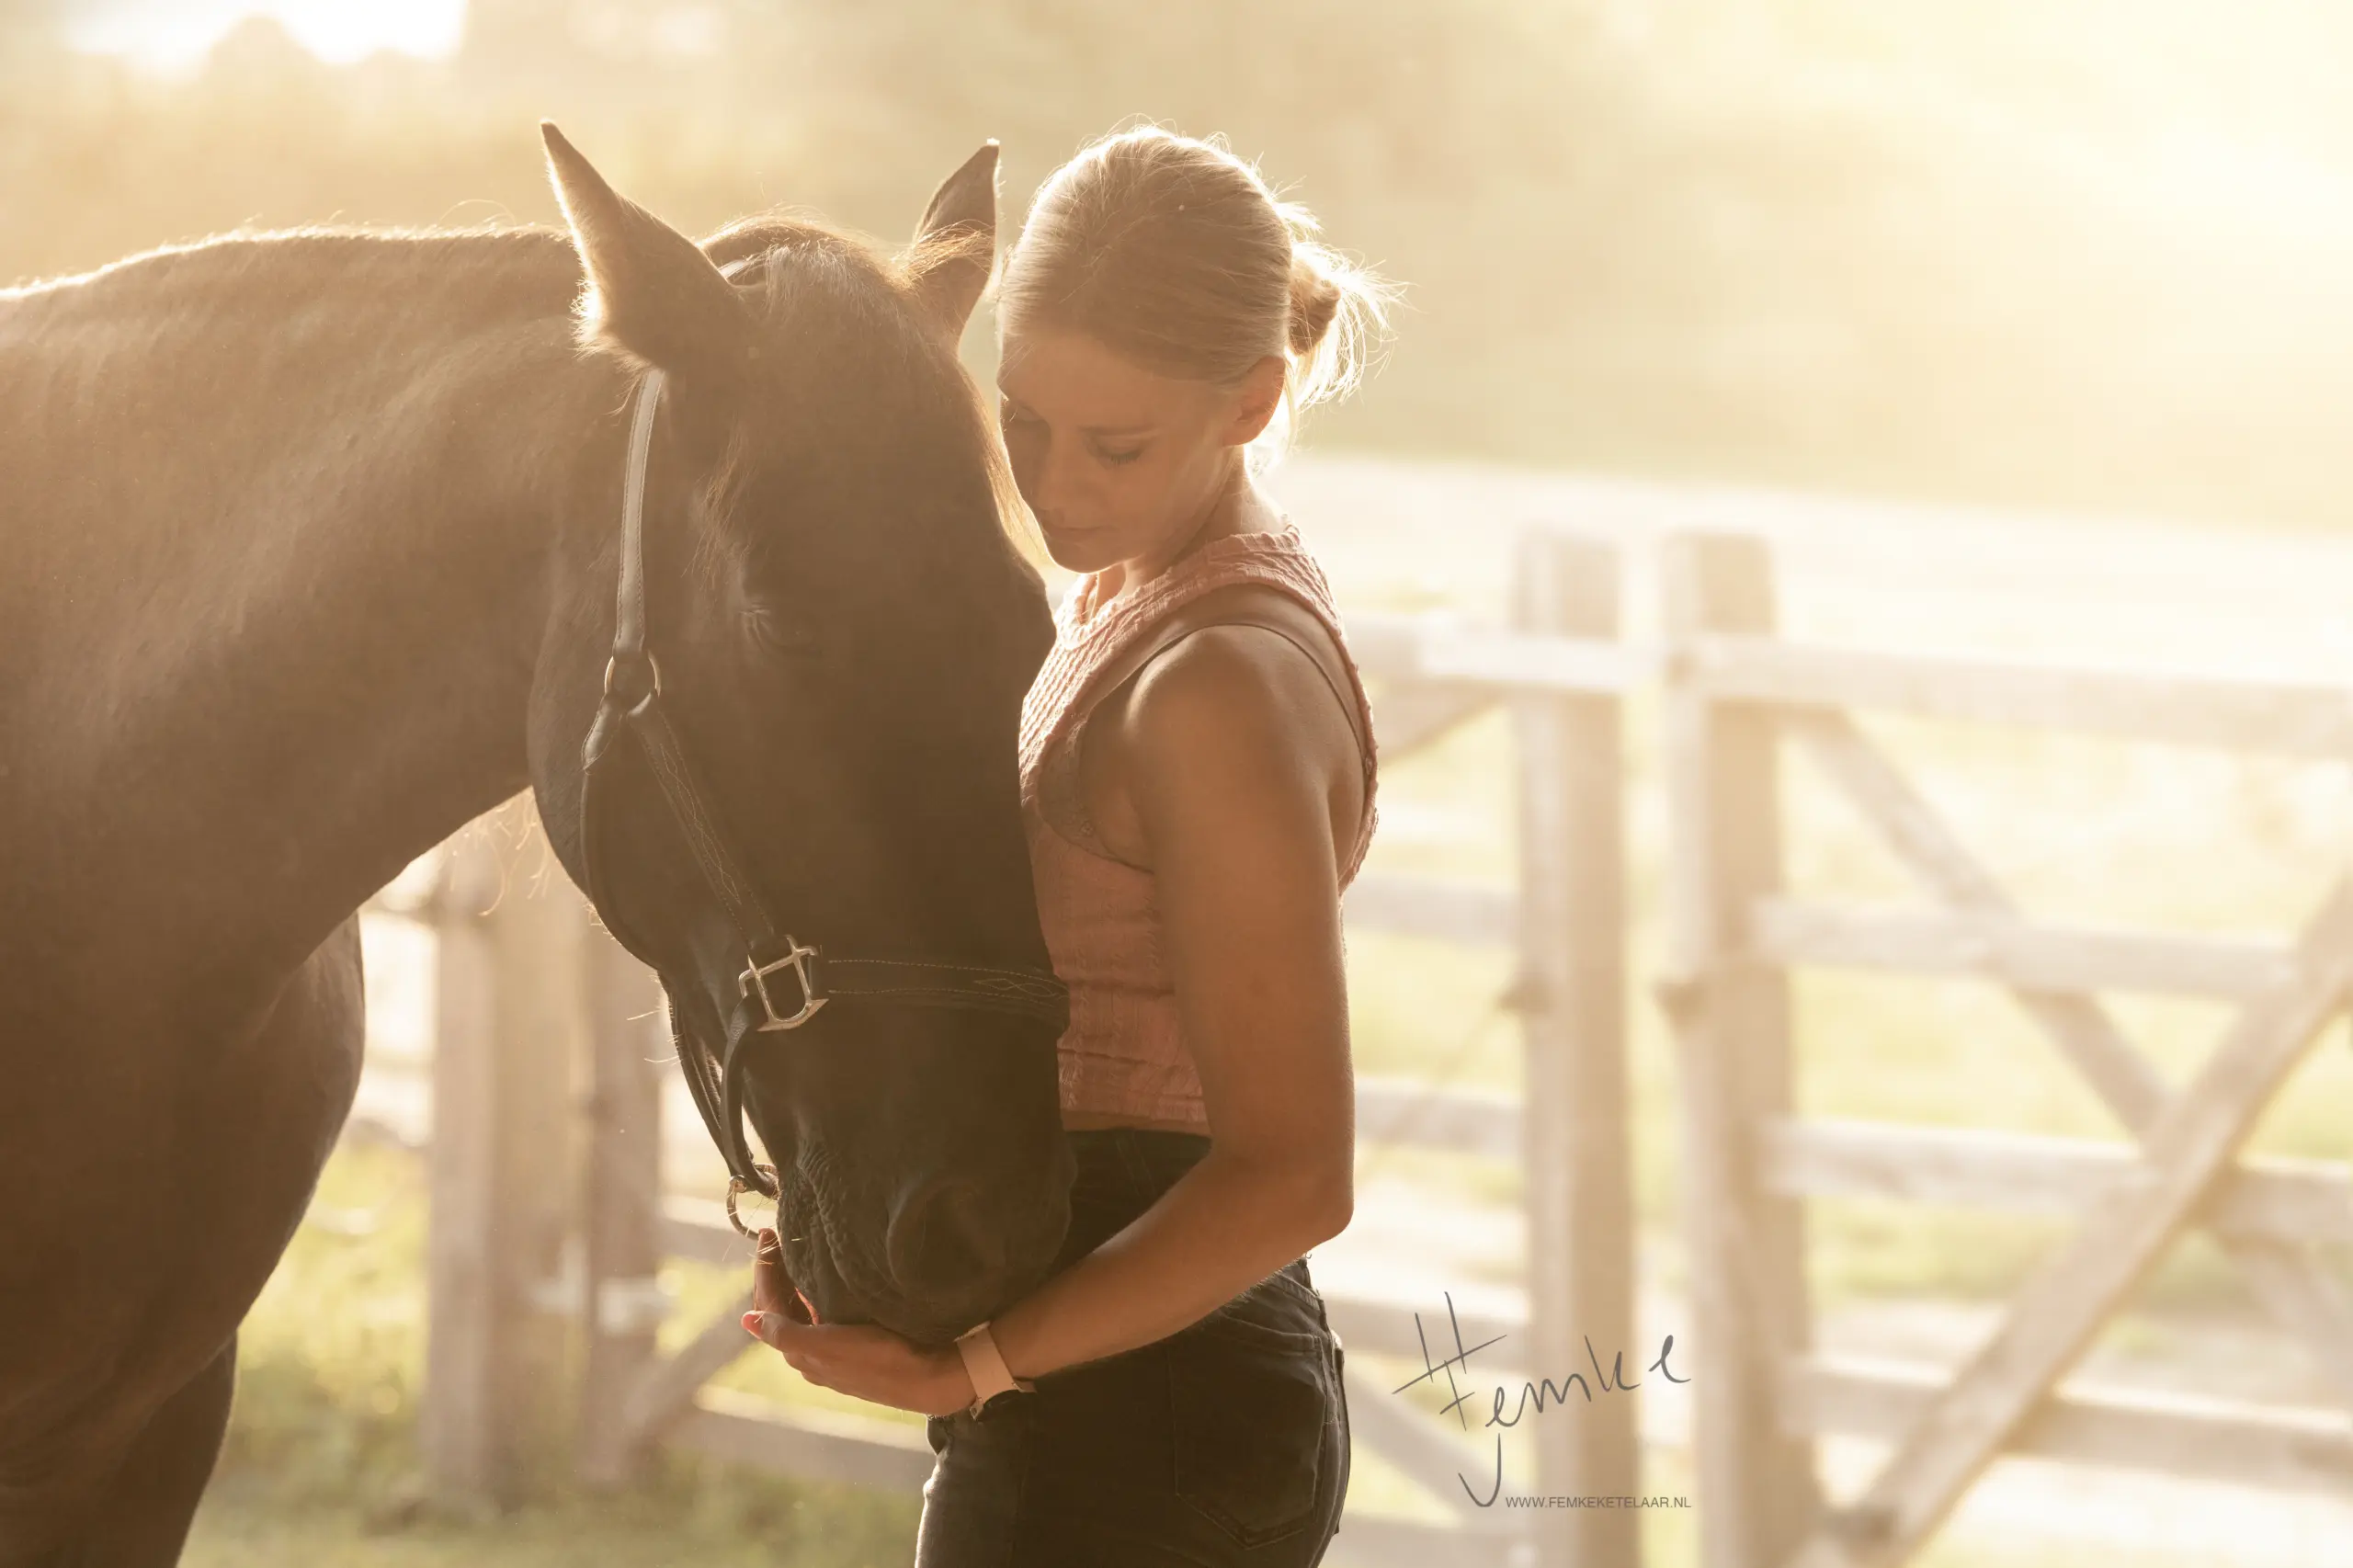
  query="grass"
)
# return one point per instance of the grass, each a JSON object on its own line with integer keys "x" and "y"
{"x": 571, "y": 1533}
{"x": 320, "y": 1463}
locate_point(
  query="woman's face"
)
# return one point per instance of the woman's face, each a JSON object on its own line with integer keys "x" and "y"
{"x": 1116, "y": 461}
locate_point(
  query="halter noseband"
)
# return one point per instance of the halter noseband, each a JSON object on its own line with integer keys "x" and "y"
{"x": 632, "y": 705}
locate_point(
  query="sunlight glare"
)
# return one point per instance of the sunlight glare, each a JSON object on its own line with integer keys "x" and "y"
{"x": 172, "y": 36}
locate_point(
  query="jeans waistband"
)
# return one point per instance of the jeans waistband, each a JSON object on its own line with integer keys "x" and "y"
{"x": 1120, "y": 1172}
{"x": 1138, "y": 1159}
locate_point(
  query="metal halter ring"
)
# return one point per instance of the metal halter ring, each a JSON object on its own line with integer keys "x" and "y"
{"x": 652, "y": 668}
{"x": 736, "y": 1188}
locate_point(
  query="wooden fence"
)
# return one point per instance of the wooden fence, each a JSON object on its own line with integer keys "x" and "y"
{"x": 1734, "y": 691}
{"x": 550, "y": 1208}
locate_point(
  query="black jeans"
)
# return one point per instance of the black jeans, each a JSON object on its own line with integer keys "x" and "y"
{"x": 1226, "y": 1443}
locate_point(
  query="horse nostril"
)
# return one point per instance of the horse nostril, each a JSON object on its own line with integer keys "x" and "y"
{"x": 940, "y": 1241}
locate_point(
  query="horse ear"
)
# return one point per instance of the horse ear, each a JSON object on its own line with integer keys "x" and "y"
{"x": 955, "y": 247}
{"x": 651, "y": 293}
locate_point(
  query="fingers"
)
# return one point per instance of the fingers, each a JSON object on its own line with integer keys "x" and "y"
{"x": 796, "y": 1342}
{"x": 789, "y": 1340}
{"x": 772, "y": 1287}
{"x": 776, "y": 1329}
{"x": 769, "y": 1283}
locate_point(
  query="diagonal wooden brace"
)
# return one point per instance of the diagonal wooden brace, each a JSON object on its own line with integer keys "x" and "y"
{"x": 2074, "y": 1291}
{"x": 666, "y": 1389}
{"x": 2289, "y": 1282}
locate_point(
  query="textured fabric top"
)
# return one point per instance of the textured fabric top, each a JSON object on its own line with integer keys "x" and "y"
{"x": 1124, "y": 1053}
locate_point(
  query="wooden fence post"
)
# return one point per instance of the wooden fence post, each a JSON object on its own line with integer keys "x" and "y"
{"x": 622, "y": 1188}
{"x": 1574, "y": 1099}
{"x": 455, "y": 1426}
{"x": 1758, "y": 1496}
{"x": 507, "y": 1020}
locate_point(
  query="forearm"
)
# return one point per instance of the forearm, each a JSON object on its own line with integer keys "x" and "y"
{"x": 1226, "y": 1224}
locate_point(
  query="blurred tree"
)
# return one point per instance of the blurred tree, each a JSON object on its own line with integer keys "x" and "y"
{"x": 260, "y": 64}
{"x": 2075, "y": 251}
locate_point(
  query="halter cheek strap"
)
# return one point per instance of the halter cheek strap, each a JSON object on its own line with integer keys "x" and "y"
{"x": 766, "y": 1001}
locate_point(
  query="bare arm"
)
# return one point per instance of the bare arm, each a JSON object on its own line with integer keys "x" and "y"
{"x": 1236, "y": 756}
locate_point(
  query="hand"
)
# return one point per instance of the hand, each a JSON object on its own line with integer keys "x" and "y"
{"x": 864, "y": 1361}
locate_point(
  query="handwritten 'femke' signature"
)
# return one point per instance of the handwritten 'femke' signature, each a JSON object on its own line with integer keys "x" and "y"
{"x": 1542, "y": 1389}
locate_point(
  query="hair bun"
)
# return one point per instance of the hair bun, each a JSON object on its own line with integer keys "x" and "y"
{"x": 1314, "y": 301}
{"x": 1178, "y": 254}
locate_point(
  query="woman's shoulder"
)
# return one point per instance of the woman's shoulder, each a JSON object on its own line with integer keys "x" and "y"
{"x": 1216, "y": 709}
{"x": 1301, "y": 612}
{"x": 1228, "y": 662}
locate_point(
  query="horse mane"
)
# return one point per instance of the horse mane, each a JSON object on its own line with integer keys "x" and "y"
{"x": 499, "y": 268}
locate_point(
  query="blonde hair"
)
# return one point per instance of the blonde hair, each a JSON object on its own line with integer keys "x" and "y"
{"x": 1174, "y": 253}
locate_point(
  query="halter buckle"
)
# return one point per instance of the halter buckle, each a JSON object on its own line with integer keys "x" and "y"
{"x": 756, "y": 979}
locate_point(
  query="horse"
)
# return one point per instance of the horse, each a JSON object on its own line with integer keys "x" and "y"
{"x": 309, "y": 558}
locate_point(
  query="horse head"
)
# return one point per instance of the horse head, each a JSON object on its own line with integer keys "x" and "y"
{"x": 845, "y": 629}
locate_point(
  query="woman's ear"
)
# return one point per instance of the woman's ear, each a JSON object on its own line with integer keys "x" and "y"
{"x": 1260, "y": 393}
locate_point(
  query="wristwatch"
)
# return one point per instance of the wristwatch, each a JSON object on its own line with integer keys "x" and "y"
{"x": 985, "y": 1363}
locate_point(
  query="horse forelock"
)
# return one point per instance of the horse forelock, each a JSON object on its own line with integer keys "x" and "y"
{"x": 834, "y": 301}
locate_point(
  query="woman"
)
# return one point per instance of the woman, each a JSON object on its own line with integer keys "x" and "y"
{"x": 1198, "y": 776}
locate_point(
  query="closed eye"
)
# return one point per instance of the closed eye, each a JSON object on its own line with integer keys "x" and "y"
{"x": 778, "y": 632}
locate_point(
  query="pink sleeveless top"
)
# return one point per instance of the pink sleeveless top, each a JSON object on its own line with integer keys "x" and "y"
{"x": 1124, "y": 1053}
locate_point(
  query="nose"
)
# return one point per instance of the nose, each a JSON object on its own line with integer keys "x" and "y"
{"x": 941, "y": 1242}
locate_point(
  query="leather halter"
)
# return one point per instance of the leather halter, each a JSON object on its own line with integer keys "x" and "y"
{"x": 631, "y": 706}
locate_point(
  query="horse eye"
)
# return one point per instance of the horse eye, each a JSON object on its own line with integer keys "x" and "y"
{"x": 780, "y": 634}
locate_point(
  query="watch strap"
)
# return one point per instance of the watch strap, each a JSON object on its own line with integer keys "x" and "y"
{"x": 986, "y": 1364}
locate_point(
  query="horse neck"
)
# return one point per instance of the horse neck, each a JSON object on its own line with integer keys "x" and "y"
{"x": 282, "y": 628}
